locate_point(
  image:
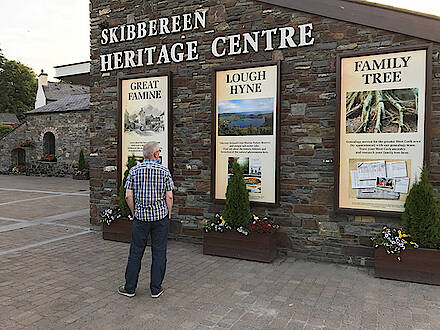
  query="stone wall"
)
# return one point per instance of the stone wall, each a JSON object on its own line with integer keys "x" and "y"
{"x": 71, "y": 130}
{"x": 308, "y": 113}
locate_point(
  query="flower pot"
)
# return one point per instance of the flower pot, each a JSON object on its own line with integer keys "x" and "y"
{"x": 416, "y": 265}
{"x": 80, "y": 176}
{"x": 118, "y": 230}
{"x": 254, "y": 246}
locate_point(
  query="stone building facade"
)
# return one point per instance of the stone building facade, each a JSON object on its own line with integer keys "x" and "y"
{"x": 57, "y": 129}
{"x": 309, "y": 225}
{"x": 65, "y": 122}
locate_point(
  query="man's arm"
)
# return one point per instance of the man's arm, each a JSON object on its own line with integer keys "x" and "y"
{"x": 129, "y": 199}
{"x": 169, "y": 200}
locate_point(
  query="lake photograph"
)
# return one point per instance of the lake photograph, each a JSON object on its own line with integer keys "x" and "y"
{"x": 246, "y": 117}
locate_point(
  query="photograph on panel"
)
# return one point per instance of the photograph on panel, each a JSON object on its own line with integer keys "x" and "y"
{"x": 379, "y": 178}
{"x": 251, "y": 168}
{"x": 148, "y": 121}
{"x": 246, "y": 117}
{"x": 382, "y": 111}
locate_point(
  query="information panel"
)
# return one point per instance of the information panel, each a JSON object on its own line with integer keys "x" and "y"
{"x": 382, "y": 128}
{"x": 144, "y": 117}
{"x": 246, "y": 118}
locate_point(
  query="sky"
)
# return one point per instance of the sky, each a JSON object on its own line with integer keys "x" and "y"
{"x": 45, "y": 33}
{"x": 247, "y": 106}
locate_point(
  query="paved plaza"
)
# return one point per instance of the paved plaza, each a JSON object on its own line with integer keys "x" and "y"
{"x": 57, "y": 273}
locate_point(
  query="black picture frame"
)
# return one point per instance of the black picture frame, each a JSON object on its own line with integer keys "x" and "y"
{"x": 170, "y": 126}
{"x": 427, "y": 127}
{"x": 277, "y": 125}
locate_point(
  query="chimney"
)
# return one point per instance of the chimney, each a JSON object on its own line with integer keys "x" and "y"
{"x": 40, "y": 100}
{"x": 42, "y": 79}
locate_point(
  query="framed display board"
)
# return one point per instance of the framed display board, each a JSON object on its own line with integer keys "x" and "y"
{"x": 145, "y": 114}
{"x": 246, "y": 129}
{"x": 384, "y": 106}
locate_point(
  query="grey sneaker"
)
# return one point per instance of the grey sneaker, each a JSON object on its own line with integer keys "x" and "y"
{"x": 121, "y": 290}
{"x": 157, "y": 294}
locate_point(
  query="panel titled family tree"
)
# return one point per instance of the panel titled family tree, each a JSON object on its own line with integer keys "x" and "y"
{"x": 246, "y": 129}
{"x": 383, "y": 109}
{"x": 144, "y": 117}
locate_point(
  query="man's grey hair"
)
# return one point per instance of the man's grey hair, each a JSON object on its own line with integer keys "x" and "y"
{"x": 150, "y": 148}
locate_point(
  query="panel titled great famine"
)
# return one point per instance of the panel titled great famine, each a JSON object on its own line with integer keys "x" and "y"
{"x": 145, "y": 90}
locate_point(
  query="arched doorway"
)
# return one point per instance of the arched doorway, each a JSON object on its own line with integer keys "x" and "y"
{"x": 18, "y": 157}
{"x": 49, "y": 143}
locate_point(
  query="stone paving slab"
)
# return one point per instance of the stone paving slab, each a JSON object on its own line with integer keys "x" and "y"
{"x": 31, "y": 235}
{"x": 13, "y": 196}
{"x": 72, "y": 284}
{"x": 43, "y": 183}
{"x": 74, "y": 221}
{"x": 60, "y": 277}
{"x": 35, "y": 209}
{"x": 6, "y": 223}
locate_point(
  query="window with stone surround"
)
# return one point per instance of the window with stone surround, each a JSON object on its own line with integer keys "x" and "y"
{"x": 49, "y": 143}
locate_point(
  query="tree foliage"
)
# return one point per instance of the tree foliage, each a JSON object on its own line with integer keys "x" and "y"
{"x": 5, "y": 129}
{"x": 237, "y": 208}
{"x": 81, "y": 161}
{"x": 125, "y": 210}
{"x": 18, "y": 86}
{"x": 421, "y": 217}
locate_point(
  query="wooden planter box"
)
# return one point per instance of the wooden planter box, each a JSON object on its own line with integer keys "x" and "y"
{"x": 255, "y": 246}
{"x": 119, "y": 230}
{"x": 416, "y": 265}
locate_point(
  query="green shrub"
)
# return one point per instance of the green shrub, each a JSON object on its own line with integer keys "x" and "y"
{"x": 421, "y": 217}
{"x": 81, "y": 161}
{"x": 237, "y": 208}
{"x": 5, "y": 129}
{"x": 125, "y": 210}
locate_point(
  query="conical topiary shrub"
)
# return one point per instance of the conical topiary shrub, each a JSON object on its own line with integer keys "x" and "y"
{"x": 81, "y": 161}
{"x": 237, "y": 208}
{"x": 125, "y": 210}
{"x": 421, "y": 217}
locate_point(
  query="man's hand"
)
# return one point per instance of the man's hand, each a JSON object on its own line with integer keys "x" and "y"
{"x": 129, "y": 199}
{"x": 169, "y": 200}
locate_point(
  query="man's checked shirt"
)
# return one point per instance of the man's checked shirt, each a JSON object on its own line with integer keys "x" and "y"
{"x": 149, "y": 182}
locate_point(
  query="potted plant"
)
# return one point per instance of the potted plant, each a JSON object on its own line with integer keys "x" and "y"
{"x": 421, "y": 223}
{"x": 237, "y": 233}
{"x": 26, "y": 143}
{"x": 117, "y": 221}
{"x": 81, "y": 172}
{"x": 48, "y": 158}
{"x": 18, "y": 169}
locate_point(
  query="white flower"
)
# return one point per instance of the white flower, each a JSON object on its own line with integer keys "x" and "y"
{"x": 242, "y": 230}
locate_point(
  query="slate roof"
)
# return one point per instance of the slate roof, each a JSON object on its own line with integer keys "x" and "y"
{"x": 379, "y": 16}
{"x": 8, "y": 118}
{"x": 80, "y": 102}
{"x": 57, "y": 90}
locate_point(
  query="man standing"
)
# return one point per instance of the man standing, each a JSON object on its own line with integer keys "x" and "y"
{"x": 149, "y": 195}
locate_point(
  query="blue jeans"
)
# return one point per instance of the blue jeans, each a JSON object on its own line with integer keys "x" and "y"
{"x": 159, "y": 238}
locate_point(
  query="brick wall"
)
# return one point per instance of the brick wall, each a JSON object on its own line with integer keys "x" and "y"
{"x": 308, "y": 110}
